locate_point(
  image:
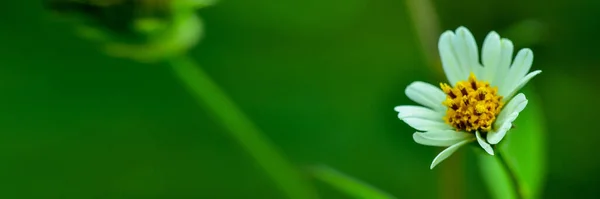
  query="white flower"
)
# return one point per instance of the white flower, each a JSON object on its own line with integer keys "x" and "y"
{"x": 480, "y": 102}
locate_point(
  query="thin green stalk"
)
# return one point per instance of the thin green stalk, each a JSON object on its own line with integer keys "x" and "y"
{"x": 426, "y": 27}
{"x": 512, "y": 175}
{"x": 241, "y": 129}
{"x": 348, "y": 184}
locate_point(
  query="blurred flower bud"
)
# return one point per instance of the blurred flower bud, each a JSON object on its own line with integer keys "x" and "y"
{"x": 144, "y": 30}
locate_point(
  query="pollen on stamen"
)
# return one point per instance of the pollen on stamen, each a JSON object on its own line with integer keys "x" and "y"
{"x": 472, "y": 105}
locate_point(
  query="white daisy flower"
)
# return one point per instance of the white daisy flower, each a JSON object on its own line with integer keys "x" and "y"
{"x": 479, "y": 103}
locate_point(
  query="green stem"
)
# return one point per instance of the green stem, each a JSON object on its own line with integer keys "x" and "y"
{"x": 241, "y": 129}
{"x": 512, "y": 175}
{"x": 348, "y": 184}
{"x": 426, "y": 29}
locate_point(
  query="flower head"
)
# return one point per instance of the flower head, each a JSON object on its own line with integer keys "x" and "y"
{"x": 479, "y": 101}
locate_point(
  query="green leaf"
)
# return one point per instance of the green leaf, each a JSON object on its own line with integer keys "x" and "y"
{"x": 348, "y": 184}
{"x": 524, "y": 150}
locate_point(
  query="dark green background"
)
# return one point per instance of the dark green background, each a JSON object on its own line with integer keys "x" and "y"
{"x": 320, "y": 78}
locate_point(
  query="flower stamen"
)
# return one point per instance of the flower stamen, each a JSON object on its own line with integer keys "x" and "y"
{"x": 472, "y": 105}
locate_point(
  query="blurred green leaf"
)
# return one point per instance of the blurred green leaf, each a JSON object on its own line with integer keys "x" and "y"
{"x": 348, "y": 184}
{"x": 146, "y": 30}
{"x": 528, "y": 32}
{"x": 524, "y": 149}
{"x": 184, "y": 34}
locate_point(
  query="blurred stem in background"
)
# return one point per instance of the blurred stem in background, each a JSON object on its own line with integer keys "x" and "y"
{"x": 161, "y": 30}
{"x": 427, "y": 29}
{"x": 348, "y": 184}
{"x": 241, "y": 128}
{"x": 156, "y": 30}
{"x": 511, "y": 174}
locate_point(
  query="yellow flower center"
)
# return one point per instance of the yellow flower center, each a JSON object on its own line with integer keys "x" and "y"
{"x": 472, "y": 105}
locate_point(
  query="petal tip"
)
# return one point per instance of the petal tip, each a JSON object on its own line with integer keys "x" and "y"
{"x": 416, "y": 136}
{"x": 483, "y": 143}
{"x": 494, "y": 34}
{"x": 519, "y": 97}
{"x": 433, "y": 164}
{"x": 445, "y": 38}
{"x": 506, "y": 41}
{"x": 462, "y": 29}
{"x": 527, "y": 52}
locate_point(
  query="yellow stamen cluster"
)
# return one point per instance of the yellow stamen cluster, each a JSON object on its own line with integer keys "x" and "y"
{"x": 472, "y": 105}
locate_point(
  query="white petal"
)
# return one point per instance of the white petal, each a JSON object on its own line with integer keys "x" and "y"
{"x": 504, "y": 63}
{"x": 495, "y": 136}
{"x": 504, "y": 120}
{"x": 449, "y": 61}
{"x": 447, "y": 152}
{"x": 522, "y": 62}
{"x": 490, "y": 55}
{"x": 441, "y": 137}
{"x": 515, "y": 105}
{"x": 522, "y": 83}
{"x": 484, "y": 144}
{"x": 407, "y": 111}
{"x": 426, "y": 95}
{"x": 465, "y": 48}
{"x": 517, "y": 71}
{"x": 425, "y": 124}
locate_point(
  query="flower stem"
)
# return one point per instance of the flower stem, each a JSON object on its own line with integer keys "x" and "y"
{"x": 512, "y": 175}
{"x": 241, "y": 129}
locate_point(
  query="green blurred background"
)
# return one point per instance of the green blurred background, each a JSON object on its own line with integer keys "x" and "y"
{"x": 320, "y": 78}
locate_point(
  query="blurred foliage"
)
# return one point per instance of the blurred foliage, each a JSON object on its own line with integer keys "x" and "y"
{"x": 119, "y": 18}
{"x": 241, "y": 129}
{"x": 320, "y": 77}
{"x": 145, "y": 30}
{"x": 347, "y": 184}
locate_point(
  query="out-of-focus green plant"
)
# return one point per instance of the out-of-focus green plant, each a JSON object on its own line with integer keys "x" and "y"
{"x": 528, "y": 32}
{"x": 146, "y": 30}
{"x": 347, "y": 184}
{"x": 164, "y": 30}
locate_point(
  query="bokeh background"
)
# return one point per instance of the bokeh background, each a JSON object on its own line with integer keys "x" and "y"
{"x": 320, "y": 78}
